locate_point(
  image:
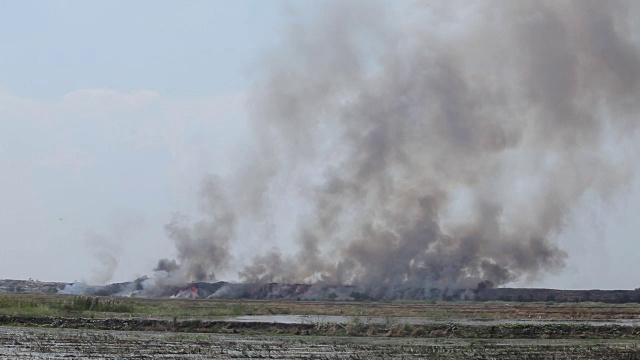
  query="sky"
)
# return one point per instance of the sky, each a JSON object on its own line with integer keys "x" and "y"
{"x": 112, "y": 112}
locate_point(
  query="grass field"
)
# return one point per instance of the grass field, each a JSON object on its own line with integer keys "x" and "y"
{"x": 87, "y": 306}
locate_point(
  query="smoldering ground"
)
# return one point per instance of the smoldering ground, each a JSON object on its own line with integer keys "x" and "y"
{"x": 426, "y": 144}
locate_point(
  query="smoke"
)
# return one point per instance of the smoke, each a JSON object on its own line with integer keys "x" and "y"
{"x": 104, "y": 253}
{"x": 107, "y": 247}
{"x": 167, "y": 265}
{"x": 430, "y": 144}
{"x": 203, "y": 245}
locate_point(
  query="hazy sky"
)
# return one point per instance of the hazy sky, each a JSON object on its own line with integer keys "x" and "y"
{"x": 111, "y": 113}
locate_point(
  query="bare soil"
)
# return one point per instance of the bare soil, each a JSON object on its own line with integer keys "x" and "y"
{"x": 38, "y": 343}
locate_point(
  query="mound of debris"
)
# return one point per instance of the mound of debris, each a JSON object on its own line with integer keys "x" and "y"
{"x": 275, "y": 291}
{"x": 268, "y": 291}
{"x": 31, "y": 286}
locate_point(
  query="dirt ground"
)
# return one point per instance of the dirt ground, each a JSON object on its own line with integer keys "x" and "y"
{"x": 42, "y": 343}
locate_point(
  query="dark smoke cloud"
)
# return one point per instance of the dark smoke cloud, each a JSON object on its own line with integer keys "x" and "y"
{"x": 167, "y": 265}
{"x": 442, "y": 143}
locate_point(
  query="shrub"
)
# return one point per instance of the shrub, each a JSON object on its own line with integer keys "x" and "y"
{"x": 360, "y": 296}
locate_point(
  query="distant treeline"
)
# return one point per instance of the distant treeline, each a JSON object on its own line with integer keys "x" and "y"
{"x": 543, "y": 295}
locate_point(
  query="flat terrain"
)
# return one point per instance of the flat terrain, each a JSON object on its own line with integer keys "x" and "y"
{"x": 37, "y": 343}
{"x": 55, "y": 305}
{"x": 55, "y": 326}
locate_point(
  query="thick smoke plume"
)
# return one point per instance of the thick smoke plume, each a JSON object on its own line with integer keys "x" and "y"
{"x": 437, "y": 144}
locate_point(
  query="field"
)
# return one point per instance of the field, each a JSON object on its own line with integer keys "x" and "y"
{"x": 55, "y": 326}
{"x": 34, "y": 343}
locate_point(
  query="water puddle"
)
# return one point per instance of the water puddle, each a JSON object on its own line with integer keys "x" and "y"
{"x": 337, "y": 319}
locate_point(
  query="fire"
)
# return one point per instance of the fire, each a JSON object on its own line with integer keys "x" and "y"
{"x": 194, "y": 293}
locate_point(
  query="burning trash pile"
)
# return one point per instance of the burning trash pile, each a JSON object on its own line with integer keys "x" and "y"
{"x": 484, "y": 291}
{"x": 146, "y": 287}
{"x": 269, "y": 291}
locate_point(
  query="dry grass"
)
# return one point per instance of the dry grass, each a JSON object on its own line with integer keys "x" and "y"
{"x": 61, "y": 305}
